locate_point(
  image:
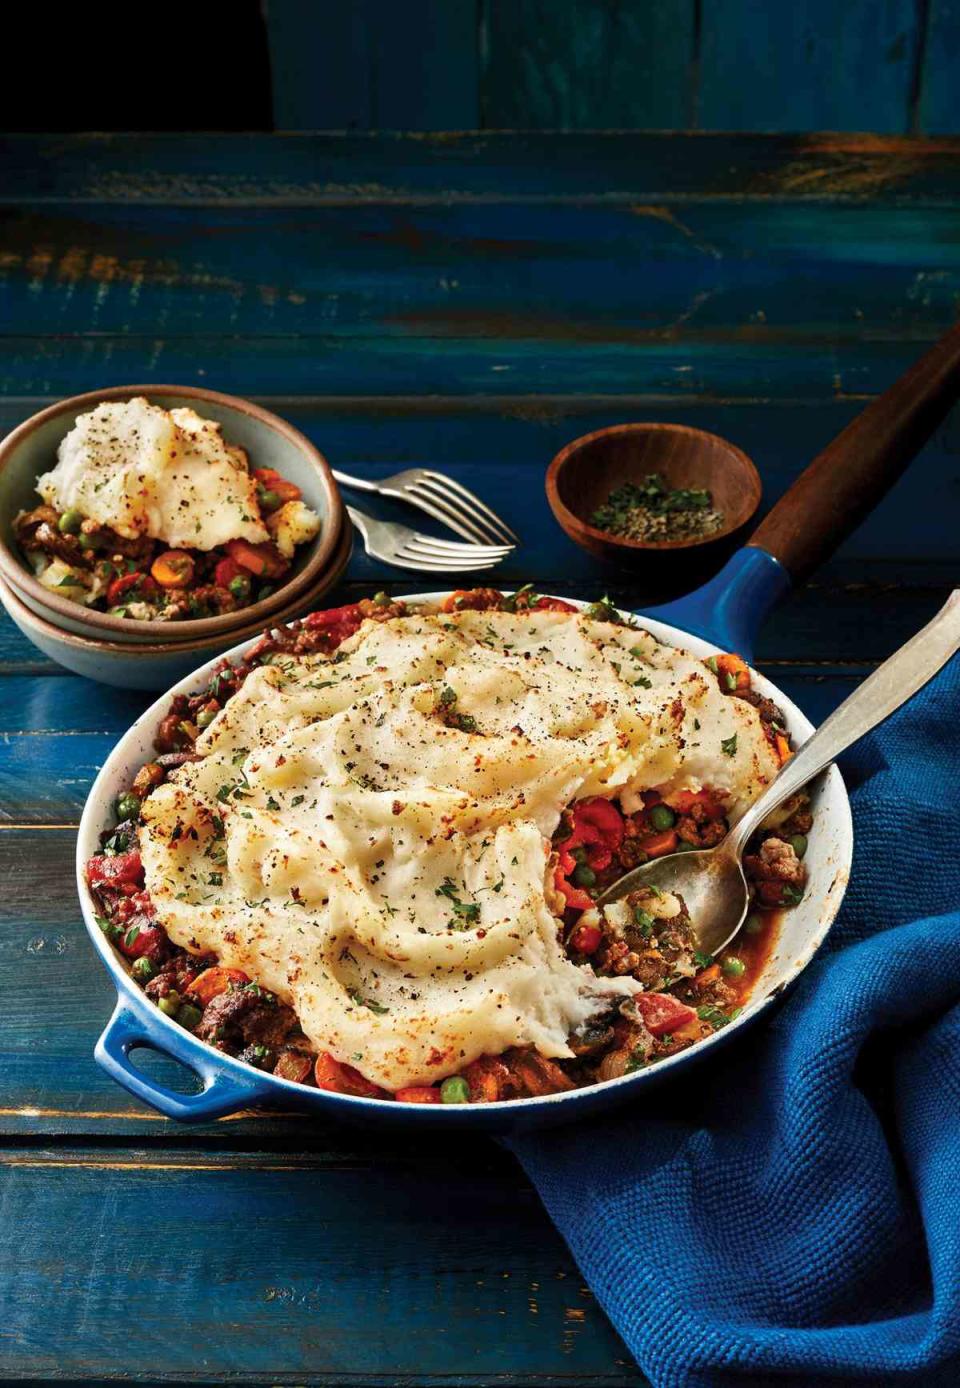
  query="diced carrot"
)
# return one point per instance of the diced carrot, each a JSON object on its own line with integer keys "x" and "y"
{"x": 263, "y": 561}
{"x": 418, "y": 1094}
{"x": 294, "y": 1065}
{"x": 710, "y": 974}
{"x": 684, "y": 800}
{"x": 344, "y": 1079}
{"x": 212, "y": 982}
{"x": 271, "y": 481}
{"x": 782, "y": 745}
{"x": 174, "y": 568}
{"x": 656, "y": 845}
{"x": 732, "y": 666}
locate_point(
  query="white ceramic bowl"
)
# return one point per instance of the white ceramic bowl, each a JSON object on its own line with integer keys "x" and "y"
{"x": 230, "y": 1084}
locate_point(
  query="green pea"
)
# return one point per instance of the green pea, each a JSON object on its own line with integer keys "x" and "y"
{"x": 239, "y": 586}
{"x": 753, "y": 925}
{"x": 128, "y": 805}
{"x": 579, "y": 854}
{"x": 143, "y": 969}
{"x": 170, "y": 1004}
{"x": 188, "y": 1016}
{"x": 684, "y": 847}
{"x": 206, "y": 716}
{"x": 661, "y": 817}
{"x": 799, "y": 844}
{"x": 382, "y": 599}
{"x": 733, "y": 967}
{"x": 70, "y": 522}
{"x": 455, "y": 1090}
{"x": 584, "y": 875}
{"x": 269, "y": 499}
{"x": 88, "y": 542}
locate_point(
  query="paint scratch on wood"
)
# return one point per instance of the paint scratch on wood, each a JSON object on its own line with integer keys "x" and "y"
{"x": 666, "y": 214}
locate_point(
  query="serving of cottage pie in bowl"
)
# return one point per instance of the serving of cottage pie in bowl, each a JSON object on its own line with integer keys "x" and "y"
{"x": 360, "y": 856}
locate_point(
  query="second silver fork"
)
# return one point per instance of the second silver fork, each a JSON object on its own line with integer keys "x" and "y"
{"x": 442, "y": 498}
{"x": 409, "y": 549}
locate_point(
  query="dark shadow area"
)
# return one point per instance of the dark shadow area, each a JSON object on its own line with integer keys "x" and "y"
{"x": 177, "y": 66}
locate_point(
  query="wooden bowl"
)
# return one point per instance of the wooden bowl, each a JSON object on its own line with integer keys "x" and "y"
{"x": 270, "y": 442}
{"x": 583, "y": 475}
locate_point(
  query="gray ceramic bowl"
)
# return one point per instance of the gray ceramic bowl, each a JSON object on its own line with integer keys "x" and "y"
{"x": 156, "y": 665}
{"x": 31, "y": 449}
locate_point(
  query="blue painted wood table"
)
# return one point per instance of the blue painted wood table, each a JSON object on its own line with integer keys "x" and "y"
{"x": 472, "y": 303}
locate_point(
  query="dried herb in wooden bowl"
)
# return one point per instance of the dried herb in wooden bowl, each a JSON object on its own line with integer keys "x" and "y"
{"x": 652, "y": 510}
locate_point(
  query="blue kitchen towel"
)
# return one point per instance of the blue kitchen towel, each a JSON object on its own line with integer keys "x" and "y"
{"x": 790, "y": 1211}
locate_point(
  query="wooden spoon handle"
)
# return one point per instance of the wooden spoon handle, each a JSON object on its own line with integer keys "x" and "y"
{"x": 844, "y": 482}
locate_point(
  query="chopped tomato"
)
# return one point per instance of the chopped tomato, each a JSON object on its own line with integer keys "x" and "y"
{"x": 226, "y": 571}
{"x": 174, "y": 568}
{"x": 263, "y": 561}
{"x": 131, "y": 588}
{"x": 586, "y": 938}
{"x": 552, "y": 605}
{"x": 344, "y": 1079}
{"x": 684, "y": 801}
{"x": 337, "y": 623}
{"x": 118, "y": 870}
{"x": 212, "y": 982}
{"x": 598, "y": 827}
{"x": 418, "y": 1094}
{"x": 271, "y": 481}
{"x": 576, "y": 898}
{"x": 734, "y": 673}
{"x": 662, "y": 1013}
{"x": 141, "y": 938}
{"x": 656, "y": 845}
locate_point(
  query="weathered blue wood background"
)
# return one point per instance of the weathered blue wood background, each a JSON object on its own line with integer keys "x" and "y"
{"x": 889, "y": 66}
{"x": 472, "y": 303}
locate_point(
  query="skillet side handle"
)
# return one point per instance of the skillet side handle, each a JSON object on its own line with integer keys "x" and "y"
{"x": 222, "y": 1093}
{"x": 854, "y": 472}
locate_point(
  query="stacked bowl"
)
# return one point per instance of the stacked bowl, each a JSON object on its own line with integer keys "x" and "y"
{"x": 136, "y": 654}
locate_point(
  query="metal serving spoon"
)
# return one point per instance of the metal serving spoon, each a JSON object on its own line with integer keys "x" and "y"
{"x": 711, "y": 880}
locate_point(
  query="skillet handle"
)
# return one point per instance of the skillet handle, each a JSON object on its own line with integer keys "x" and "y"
{"x": 223, "y": 1092}
{"x": 844, "y": 482}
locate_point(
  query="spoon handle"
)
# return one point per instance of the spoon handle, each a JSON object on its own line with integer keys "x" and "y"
{"x": 896, "y": 681}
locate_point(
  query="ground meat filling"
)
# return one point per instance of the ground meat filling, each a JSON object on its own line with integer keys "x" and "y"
{"x": 648, "y": 935}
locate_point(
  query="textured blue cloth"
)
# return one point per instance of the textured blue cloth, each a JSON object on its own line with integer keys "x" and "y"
{"x": 791, "y": 1211}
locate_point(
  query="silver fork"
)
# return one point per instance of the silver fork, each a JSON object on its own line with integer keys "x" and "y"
{"x": 442, "y": 498}
{"x": 408, "y": 549}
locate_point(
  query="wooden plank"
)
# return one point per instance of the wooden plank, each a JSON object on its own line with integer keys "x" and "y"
{"x": 205, "y": 1268}
{"x": 374, "y": 65}
{"x": 816, "y": 66}
{"x": 772, "y": 274}
{"x": 937, "y": 107}
{"x": 446, "y": 167}
{"x": 603, "y": 66}
{"x": 724, "y": 364}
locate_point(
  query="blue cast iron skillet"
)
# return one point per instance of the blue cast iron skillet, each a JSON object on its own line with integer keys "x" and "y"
{"x": 823, "y": 506}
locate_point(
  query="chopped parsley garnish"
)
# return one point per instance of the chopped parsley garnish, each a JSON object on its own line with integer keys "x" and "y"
{"x": 465, "y": 913}
{"x": 728, "y": 745}
{"x": 377, "y": 1008}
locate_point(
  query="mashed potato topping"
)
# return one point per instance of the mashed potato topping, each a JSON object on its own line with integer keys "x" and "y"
{"x": 387, "y": 870}
{"x": 168, "y": 474}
